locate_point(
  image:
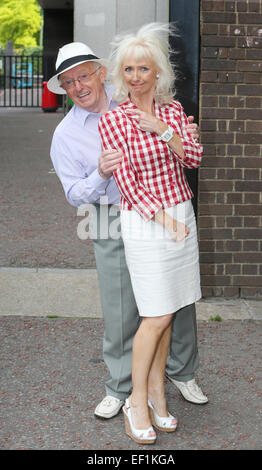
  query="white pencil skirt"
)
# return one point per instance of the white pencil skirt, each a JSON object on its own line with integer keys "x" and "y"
{"x": 164, "y": 273}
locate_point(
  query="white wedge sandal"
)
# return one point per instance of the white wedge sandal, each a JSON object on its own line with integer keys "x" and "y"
{"x": 165, "y": 423}
{"x": 140, "y": 436}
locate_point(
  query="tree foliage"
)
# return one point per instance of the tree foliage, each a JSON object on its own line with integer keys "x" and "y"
{"x": 20, "y": 22}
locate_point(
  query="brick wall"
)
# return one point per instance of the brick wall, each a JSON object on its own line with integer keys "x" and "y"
{"x": 230, "y": 178}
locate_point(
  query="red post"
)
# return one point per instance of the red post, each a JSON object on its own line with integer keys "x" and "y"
{"x": 49, "y": 100}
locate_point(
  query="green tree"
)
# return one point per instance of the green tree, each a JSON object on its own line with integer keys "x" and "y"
{"x": 20, "y": 22}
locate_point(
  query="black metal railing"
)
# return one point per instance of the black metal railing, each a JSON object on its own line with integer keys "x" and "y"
{"x": 20, "y": 81}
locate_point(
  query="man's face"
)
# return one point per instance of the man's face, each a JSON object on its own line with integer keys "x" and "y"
{"x": 88, "y": 93}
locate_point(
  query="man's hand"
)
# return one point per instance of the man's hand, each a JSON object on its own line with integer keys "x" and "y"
{"x": 192, "y": 128}
{"x": 108, "y": 162}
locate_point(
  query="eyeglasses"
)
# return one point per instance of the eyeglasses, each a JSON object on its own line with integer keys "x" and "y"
{"x": 82, "y": 79}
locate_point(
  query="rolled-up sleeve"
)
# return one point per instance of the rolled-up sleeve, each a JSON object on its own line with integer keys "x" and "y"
{"x": 193, "y": 151}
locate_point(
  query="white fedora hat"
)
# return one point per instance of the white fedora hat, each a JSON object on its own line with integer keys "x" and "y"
{"x": 70, "y": 56}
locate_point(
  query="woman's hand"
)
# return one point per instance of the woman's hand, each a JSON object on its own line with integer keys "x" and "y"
{"x": 147, "y": 122}
{"x": 177, "y": 230}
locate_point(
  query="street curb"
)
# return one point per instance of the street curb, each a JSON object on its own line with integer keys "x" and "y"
{"x": 49, "y": 292}
{"x": 74, "y": 293}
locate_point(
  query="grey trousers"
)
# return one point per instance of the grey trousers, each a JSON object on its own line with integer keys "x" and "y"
{"x": 121, "y": 321}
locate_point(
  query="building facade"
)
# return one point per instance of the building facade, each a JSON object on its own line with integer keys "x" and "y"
{"x": 230, "y": 179}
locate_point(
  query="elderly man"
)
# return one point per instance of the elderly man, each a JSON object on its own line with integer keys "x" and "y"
{"x": 86, "y": 174}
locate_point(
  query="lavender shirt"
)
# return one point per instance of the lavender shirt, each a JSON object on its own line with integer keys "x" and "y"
{"x": 75, "y": 149}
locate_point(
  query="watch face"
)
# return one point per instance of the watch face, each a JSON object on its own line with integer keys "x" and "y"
{"x": 167, "y": 136}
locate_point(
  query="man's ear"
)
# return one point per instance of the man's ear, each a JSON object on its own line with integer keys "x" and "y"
{"x": 102, "y": 73}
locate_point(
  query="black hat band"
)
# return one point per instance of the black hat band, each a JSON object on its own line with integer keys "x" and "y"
{"x": 74, "y": 60}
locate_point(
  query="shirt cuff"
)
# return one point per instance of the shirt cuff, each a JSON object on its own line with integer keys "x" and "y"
{"x": 98, "y": 183}
{"x": 148, "y": 212}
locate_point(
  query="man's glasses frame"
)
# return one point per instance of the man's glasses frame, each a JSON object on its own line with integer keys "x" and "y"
{"x": 82, "y": 79}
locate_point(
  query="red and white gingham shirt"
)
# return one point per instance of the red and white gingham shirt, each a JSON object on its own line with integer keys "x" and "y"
{"x": 151, "y": 175}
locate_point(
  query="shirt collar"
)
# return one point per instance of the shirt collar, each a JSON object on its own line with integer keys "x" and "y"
{"x": 82, "y": 114}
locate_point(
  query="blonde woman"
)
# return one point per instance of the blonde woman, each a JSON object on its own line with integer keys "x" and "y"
{"x": 157, "y": 218}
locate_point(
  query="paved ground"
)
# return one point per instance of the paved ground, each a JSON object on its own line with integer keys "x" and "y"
{"x": 52, "y": 371}
{"x": 53, "y": 376}
{"x": 38, "y": 226}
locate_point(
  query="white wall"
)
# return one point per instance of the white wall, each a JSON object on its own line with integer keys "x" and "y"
{"x": 97, "y": 21}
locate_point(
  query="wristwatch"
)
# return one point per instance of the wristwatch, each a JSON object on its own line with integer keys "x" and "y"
{"x": 167, "y": 135}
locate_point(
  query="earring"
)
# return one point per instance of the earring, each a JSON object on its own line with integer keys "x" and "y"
{"x": 157, "y": 76}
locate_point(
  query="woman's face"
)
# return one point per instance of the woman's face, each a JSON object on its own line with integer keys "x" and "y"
{"x": 140, "y": 76}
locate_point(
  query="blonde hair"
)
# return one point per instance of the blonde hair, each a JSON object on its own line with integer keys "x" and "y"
{"x": 151, "y": 40}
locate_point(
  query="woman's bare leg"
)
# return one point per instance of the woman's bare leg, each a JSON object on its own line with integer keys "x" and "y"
{"x": 145, "y": 347}
{"x": 156, "y": 378}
